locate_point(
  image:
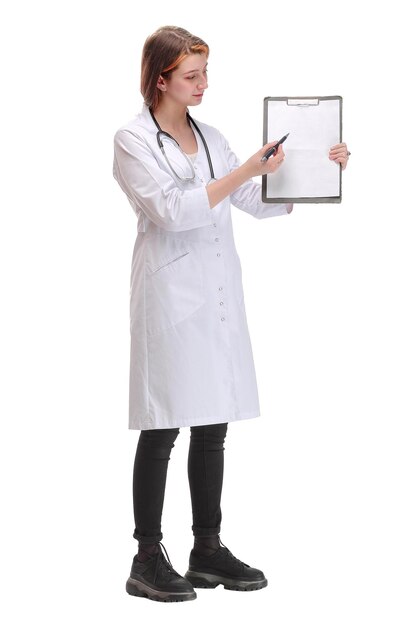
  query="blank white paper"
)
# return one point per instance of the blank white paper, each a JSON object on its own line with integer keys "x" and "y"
{"x": 307, "y": 170}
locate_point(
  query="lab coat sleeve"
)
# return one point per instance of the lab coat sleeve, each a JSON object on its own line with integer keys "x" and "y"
{"x": 248, "y": 197}
{"x": 153, "y": 190}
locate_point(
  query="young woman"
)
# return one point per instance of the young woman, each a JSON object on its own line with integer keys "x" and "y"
{"x": 191, "y": 360}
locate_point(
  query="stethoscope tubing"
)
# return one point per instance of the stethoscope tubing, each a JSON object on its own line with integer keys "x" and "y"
{"x": 158, "y": 137}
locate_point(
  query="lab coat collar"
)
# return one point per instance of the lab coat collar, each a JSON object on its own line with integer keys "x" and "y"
{"x": 147, "y": 117}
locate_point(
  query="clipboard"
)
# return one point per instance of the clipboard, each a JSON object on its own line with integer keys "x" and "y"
{"x": 307, "y": 174}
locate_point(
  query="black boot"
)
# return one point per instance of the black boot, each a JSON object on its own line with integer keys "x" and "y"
{"x": 156, "y": 579}
{"x": 223, "y": 568}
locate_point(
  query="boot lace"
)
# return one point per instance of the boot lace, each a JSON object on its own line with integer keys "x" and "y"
{"x": 163, "y": 566}
{"x": 231, "y": 556}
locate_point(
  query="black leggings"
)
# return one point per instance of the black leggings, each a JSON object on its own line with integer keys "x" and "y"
{"x": 205, "y": 477}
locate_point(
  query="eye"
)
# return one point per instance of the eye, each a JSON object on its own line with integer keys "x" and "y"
{"x": 191, "y": 77}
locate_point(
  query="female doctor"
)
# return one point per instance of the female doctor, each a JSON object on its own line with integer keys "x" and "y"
{"x": 191, "y": 361}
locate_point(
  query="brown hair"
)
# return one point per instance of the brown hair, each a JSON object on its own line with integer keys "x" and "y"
{"x": 162, "y": 53}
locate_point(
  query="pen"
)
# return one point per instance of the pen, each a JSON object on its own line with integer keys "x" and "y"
{"x": 271, "y": 151}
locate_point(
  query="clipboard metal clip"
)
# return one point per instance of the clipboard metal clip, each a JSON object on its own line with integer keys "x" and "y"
{"x": 303, "y": 102}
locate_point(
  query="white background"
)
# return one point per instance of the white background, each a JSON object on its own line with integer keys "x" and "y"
{"x": 319, "y": 492}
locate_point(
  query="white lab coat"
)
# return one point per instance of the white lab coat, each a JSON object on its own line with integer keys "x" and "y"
{"x": 191, "y": 359}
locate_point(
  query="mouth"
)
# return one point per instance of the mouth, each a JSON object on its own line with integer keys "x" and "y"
{"x": 198, "y": 95}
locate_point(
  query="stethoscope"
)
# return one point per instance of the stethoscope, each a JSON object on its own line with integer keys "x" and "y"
{"x": 160, "y": 144}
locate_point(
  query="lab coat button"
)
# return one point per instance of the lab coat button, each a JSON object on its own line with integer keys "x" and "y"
{"x": 221, "y": 303}
{"x": 223, "y": 318}
{"x": 218, "y": 254}
{"x": 217, "y": 239}
{"x": 220, "y": 288}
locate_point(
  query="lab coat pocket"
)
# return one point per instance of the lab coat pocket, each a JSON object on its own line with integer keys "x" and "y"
{"x": 174, "y": 286}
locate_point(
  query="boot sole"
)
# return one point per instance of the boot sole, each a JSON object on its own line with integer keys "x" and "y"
{"x": 137, "y": 588}
{"x": 210, "y": 581}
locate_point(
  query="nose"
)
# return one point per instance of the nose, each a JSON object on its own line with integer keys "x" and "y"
{"x": 203, "y": 84}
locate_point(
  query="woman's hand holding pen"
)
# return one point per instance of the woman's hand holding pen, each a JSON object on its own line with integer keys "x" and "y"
{"x": 257, "y": 168}
{"x": 218, "y": 190}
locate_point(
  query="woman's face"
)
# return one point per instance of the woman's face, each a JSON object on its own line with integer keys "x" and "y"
{"x": 187, "y": 82}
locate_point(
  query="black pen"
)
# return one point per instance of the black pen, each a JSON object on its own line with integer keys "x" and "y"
{"x": 271, "y": 151}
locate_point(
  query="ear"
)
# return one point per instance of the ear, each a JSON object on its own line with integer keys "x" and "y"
{"x": 161, "y": 84}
